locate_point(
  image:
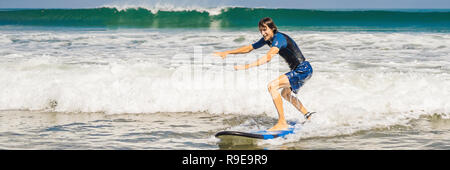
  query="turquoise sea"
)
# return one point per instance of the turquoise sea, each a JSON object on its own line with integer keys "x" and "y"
{"x": 435, "y": 20}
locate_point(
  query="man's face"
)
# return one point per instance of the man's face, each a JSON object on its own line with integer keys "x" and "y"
{"x": 266, "y": 32}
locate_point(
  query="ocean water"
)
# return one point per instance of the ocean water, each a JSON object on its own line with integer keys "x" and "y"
{"x": 136, "y": 78}
{"x": 232, "y": 17}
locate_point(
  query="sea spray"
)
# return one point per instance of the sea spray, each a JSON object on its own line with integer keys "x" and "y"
{"x": 362, "y": 80}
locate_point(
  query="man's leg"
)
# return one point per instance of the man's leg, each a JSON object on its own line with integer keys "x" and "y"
{"x": 280, "y": 82}
{"x": 287, "y": 95}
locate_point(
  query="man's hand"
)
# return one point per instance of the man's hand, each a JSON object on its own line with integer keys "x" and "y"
{"x": 242, "y": 50}
{"x": 240, "y": 67}
{"x": 221, "y": 54}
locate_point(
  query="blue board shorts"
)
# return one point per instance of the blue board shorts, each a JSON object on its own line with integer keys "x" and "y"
{"x": 299, "y": 75}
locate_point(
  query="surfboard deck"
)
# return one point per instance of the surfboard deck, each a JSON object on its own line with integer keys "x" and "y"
{"x": 262, "y": 134}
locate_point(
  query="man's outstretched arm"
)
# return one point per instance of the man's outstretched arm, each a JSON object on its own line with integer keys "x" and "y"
{"x": 242, "y": 50}
{"x": 263, "y": 60}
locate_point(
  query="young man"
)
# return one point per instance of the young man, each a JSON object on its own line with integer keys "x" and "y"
{"x": 291, "y": 81}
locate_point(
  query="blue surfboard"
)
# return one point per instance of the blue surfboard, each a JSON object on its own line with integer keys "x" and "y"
{"x": 262, "y": 134}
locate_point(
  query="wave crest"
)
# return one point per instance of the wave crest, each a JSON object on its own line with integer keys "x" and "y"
{"x": 169, "y": 16}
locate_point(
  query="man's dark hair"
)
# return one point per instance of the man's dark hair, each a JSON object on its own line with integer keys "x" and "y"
{"x": 269, "y": 22}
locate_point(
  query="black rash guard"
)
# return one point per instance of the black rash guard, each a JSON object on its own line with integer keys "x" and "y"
{"x": 288, "y": 48}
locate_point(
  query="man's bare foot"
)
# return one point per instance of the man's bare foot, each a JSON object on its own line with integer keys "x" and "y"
{"x": 279, "y": 126}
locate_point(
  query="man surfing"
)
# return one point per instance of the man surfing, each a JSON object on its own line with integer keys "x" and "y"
{"x": 300, "y": 70}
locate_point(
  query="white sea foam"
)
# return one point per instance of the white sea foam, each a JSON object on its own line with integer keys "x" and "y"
{"x": 360, "y": 80}
{"x": 212, "y": 7}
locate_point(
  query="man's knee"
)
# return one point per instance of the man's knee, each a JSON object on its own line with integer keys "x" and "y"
{"x": 272, "y": 86}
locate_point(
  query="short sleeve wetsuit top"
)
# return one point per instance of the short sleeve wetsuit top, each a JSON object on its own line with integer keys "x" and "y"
{"x": 288, "y": 48}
